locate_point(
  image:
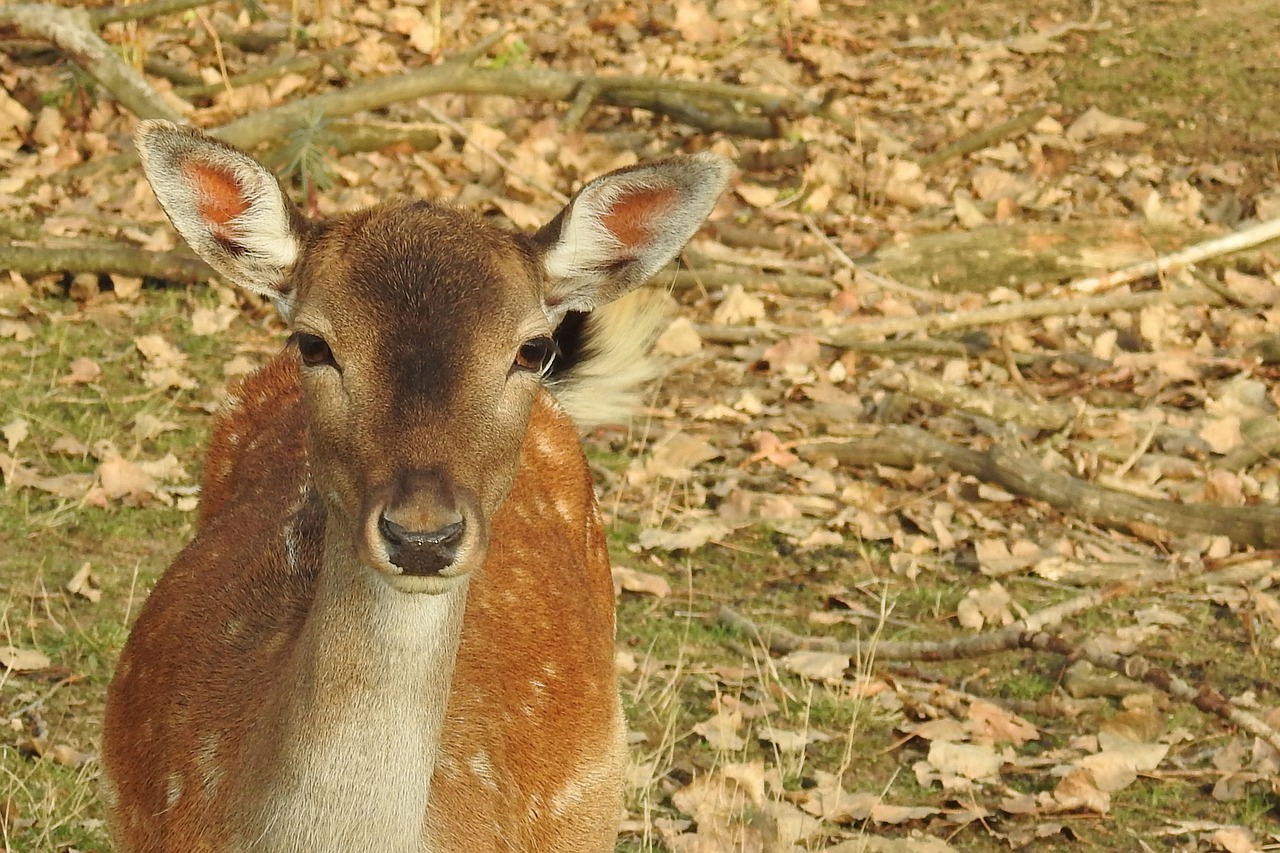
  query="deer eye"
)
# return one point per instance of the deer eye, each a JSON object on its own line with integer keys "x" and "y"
{"x": 536, "y": 355}
{"x": 314, "y": 351}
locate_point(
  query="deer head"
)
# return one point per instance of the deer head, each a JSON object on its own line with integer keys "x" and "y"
{"x": 423, "y": 333}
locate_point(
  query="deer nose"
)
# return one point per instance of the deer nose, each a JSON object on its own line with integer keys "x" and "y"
{"x": 421, "y": 553}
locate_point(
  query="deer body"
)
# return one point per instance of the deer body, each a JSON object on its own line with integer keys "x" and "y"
{"x": 393, "y": 630}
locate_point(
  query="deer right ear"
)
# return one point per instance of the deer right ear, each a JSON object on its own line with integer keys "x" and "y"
{"x": 225, "y": 204}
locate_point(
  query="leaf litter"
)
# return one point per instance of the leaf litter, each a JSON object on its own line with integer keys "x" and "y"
{"x": 768, "y": 475}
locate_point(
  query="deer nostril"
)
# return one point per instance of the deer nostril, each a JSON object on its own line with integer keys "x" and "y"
{"x": 421, "y": 553}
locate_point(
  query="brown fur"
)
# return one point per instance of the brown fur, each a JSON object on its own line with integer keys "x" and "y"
{"x": 393, "y": 631}
{"x": 536, "y": 745}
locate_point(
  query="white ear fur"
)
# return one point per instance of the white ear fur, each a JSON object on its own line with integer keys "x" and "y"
{"x": 623, "y": 227}
{"x": 228, "y": 207}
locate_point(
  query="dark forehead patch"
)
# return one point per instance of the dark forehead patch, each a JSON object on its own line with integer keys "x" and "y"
{"x": 432, "y": 285}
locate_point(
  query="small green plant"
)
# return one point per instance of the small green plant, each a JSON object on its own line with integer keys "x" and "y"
{"x": 512, "y": 55}
{"x": 304, "y": 160}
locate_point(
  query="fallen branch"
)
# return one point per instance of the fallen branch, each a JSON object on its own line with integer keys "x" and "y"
{"x": 994, "y": 405}
{"x": 1234, "y": 242}
{"x": 69, "y": 29}
{"x": 1012, "y": 468}
{"x": 120, "y": 258}
{"x": 688, "y": 278}
{"x": 1010, "y": 312}
{"x": 984, "y": 138}
{"x": 138, "y": 11}
{"x": 1204, "y": 697}
{"x": 707, "y": 106}
{"x": 301, "y": 64}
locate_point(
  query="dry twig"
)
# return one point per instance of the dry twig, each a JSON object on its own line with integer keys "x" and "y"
{"x": 1234, "y": 242}
{"x": 69, "y": 29}
{"x": 1013, "y": 469}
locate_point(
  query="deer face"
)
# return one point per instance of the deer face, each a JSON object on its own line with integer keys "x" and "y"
{"x": 422, "y": 338}
{"x": 422, "y": 333}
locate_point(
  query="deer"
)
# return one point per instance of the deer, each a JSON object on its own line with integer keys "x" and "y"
{"x": 393, "y": 627}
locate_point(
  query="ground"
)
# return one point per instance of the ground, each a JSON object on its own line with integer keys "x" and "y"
{"x": 833, "y": 305}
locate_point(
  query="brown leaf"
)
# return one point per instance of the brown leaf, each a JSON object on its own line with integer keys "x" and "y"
{"x": 1093, "y": 123}
{"x": 82, "y": 371}
{"x": 83, "y": 584}
{"x": 818, "y": 666}
{"x": 209, "y": 321}
{"x": 22, "y": 660}
{"x": 15, "y": 432}
{"x": 721, "y": 731}
{"x": 642, "y": 582}
{"x": 125, "y": 480}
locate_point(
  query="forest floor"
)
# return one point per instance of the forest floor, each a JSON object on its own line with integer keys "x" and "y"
{"x": 912, "y": 487}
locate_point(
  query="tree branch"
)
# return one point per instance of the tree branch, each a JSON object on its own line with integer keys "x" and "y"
{"x": 1012, "y": 468}
{"x": 69, "y": 30}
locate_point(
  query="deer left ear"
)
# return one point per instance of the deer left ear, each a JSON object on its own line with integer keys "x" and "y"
{"x": 623, "y": 227}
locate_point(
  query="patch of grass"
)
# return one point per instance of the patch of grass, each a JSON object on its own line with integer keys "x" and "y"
{"x": 47, "y": 538}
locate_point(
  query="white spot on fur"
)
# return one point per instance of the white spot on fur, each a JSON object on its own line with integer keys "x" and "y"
{"x": 173, "y": 790}
{"x": 208, "y": 764}
{"x": 482, "y": 768}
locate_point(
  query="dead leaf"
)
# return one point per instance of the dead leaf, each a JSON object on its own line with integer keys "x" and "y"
{"x": 756, "y": 195}
{"x": 67, "y": 756}
{"x": 676, "y": 456}
{"x": 690, "y": 539}
{"x": 1093, "y": 123}
{"x": 82, "y": 371}
{"x": 991, "y": 724}
{"x": 769, "y": 448}
{"x": 721, "y": 731}
{"x": 69, "y": 445}
{"x": 679, "y": 339}
{"x": 788, "y": 740}
{"x": 1078, "y": 791}
{"x": 642, "y": 582}
{"x": 147, "y": 426}
{"x": 22, "y": 660}
{"x": 83, "y": 584}
{"x": 818, "y": 666}
{"x": 694, "y": 22}
{"x": 15, "y": 432}
{"x": 209, "y": 321}
{"x": 989, "y": 604}
{"x": 738, "y": 307}
{"x": 972, "y": 761}
{"x": 125, "y": 480}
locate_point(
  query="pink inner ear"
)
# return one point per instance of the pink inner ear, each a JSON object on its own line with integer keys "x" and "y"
{"x": 219, "y": 198}
{"x": 633, "y": 217}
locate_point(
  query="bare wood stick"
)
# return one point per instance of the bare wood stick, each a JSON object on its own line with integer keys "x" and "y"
{"x": 985, "y": 138}
{"x": 884, "y": 282}
{"x": 535, "y": 83}
{"x": 138, "y": 11}
{"x": 997, "y": 406}
{"x": 120, "y": 258}
{"x": 996, "y": 315}
{"x": 300, "y": 64}
{"x": 69, "y": 29}
{"x": 1013, "y": 469}
{"x": 1234, "y": 242}
{"x": 686, "y": 278}
{"x": 1203, "y": 697}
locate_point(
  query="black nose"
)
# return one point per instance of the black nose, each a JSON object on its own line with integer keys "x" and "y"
{"x": 418, "y": 553}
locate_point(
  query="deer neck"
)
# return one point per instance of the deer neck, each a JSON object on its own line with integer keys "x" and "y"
{"x": 361, "y": 719}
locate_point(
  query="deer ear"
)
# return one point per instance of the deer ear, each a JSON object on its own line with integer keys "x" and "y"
{"x": 227, "y": 206}
{"x": 623, "y": 227}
